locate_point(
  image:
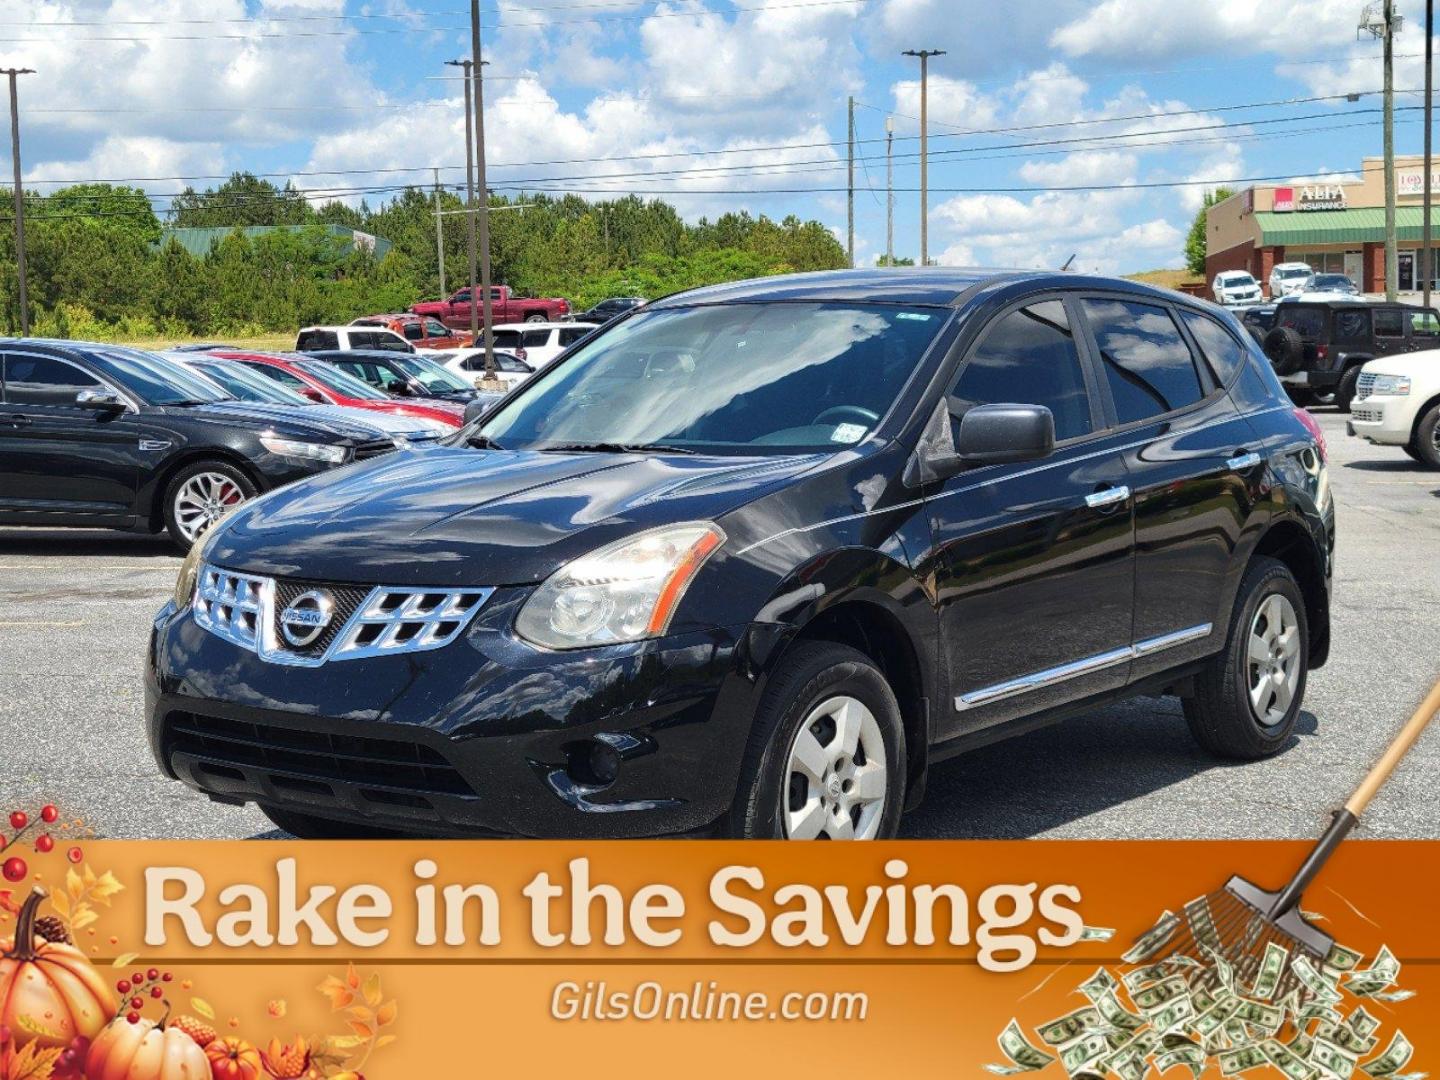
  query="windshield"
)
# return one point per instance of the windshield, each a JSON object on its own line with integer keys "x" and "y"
{"x": 730, "y": 379}
{"x": 1294, "y": 272}
{"x": 155, "y": 380}
{"x": 1332, "y": 281}
{"x": 248, "y": 385}
{"x": 1234, "y": 280}
{"x": 338, "y": 382}
{"x": 429, "y": 374}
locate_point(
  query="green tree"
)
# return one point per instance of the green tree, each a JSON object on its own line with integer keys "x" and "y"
{"x": 244, "y": 199}
{"x": 1196, "y": 241}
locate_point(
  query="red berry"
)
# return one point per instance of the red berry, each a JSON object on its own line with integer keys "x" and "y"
{"x": 138, "y": 978}
{"x": 133, "y": 1017}
{"x": 75, "y": 854}
{"x": 157, "y": 993}
{"x": 137, "y": 1003}
{"x": 15, "y": 869}
{"x": 49, "y": 814}
{"x": 166, "y": 977}
{"x": 44, "y": 843}
{"x": 19, "y": 819}
{"x": 123, "y": 986}
{"x": 152, "y": 974}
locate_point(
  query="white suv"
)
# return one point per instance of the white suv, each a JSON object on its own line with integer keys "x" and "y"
{"x": 1397, "y": 403}
{"x": 1235, "y": 287}
{"x": 318, "y": 338}
{"x": 537, "y": 343}
{"x": 1287, "y": 278}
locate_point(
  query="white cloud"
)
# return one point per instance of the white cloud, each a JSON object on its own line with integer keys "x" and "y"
{"x": 1085, "y": 167}
{"x": 953, "y": 103}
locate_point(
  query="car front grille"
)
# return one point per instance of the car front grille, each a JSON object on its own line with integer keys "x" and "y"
{"x": 360, "y": 620}
{"x": 1367, "y": 414}
{"x": 1364, "y": 386}
{"x": 390, "y": 767}
{"x": 368, "y": 450}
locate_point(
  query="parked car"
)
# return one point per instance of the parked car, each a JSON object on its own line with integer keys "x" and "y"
{"x": 754, "y": 559}
{"x": 422, "y": 331}
{"x": 409, "y": 377}
{"x": 245, "y": 384}
{"x": 469, "y": 364}
{"x": 102, "y": 436}
{"x": 321, "y": 381}
{"x": 314, "y": 338}
{"x": 613, "y": 308}
{"x": 1397, "y": 403}
{"x": 504, "y": 308}
{"x": 1331, "y": 284}
{"x": 1287, "y": 278}
{"x": 1319, "y": 346}
{"x": 539, "y": 343}
{"x": 1234, "y": 288}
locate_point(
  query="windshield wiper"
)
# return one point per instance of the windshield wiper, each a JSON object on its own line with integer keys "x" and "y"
{"x": 616, "y": 448}
{"x": 185, "y": 403}
{"x": 481, "y": 441}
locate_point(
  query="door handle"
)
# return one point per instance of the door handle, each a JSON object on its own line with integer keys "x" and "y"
{"x": 1246, "y": 459}
{"x": 1107, "y": 496}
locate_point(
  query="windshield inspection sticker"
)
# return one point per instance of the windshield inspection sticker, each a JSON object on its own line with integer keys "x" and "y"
{"x": 913, "y": 316}
{"x": 847, "y": 433}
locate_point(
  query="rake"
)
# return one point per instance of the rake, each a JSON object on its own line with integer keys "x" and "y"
{"x": 1238, "y": 922}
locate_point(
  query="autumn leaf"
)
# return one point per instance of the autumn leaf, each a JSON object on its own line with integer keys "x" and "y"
{"x": 361, "y": 1013}
{"x": 365, "y": 1031}
{"x": 386, "y": 1013}
{"x": 33, "y": 1063}
{"x": 104, "y": 889}
{"x": 203, "y": 1007}
{"x": 73, "y": 884}
{"x": 35, "y": 1027}
{"x": 59, "y": 901}
{"x": 339, "y": 994}
{"x": 88, "y": 876}
{"x": 84, "y": 915}
{"x": 372, "y": 990}
{"x": 383, "y": 1041}
{"x": 342, "y": 1043}
{"x": 124, "y": 959}
{"x": 352, "y": 977}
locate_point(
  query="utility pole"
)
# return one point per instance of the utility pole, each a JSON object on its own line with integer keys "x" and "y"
{"x": 19, "y": 197}
{"x": 484, "y": 192}
{"x": 439, "y": 235}
{"x": 890, "y": 190}
{"x": 924, "y": 55}
{"x": 850, "y": 190}
{"x": 1429, "y": 85}
{"x": 466, "y": 66}
{"x": 1384, "y": 24}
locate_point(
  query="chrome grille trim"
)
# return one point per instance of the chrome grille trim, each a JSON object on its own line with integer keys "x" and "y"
{"x": 240, "y": 608}
{"x": 1364, "y": 386}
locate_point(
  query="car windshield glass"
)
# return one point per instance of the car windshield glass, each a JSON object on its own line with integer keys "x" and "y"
{"x": 429, "y": 374}
{"x": 337, "y": 381}
{"x": 734, "y": 378}
{"x": 155, "y": 380}
{"x": 1331, "y": 281}
{"x": 1294, "y": 273}
{"x": 247, "y": 385}
{"x": 1233, "y": 280}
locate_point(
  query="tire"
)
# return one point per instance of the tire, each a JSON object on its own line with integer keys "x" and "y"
{"x": 1414, "y": 454}
{"x": 199, "y": 494}
{"x": 1426, "y": 445}
{"x": 1345, "y": 390}
{"x": 1285, "y": 349}
{"x": 538, "y": 316}
{"x": 1220, "y": 712}
{"x": 1299, "y": 396}
{"x": 310, "y": 827}
{"x": 813, "y": 695}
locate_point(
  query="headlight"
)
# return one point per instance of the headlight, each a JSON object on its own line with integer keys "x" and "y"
{"x": 625, "y": 591}
{"x": 1391, "y": 385}
{"x": 189, "y": 571}
{"x": 304, "y": 451}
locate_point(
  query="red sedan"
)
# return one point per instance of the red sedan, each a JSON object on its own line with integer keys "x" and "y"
{"x": 320, "y": 381}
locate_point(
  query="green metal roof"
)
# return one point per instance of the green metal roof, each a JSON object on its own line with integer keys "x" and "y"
{"x": 1356, "y": 226}
{"x": 199, "y": 241}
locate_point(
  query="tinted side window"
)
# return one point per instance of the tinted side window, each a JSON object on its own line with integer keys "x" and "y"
{"x": 1424, "y": 323}
{"x": 507, "y": 339}
{"x": 569, "y": 337}
{"x": 1147, "y": 364}
{"x": 43, "y": 380}
{"x": 1029, "y": 357}
{"x": 535, "y": 339}
{"x": 284, "y": 378}
{"x": 1224, "y": 353}
{"x": 1308, "y": 322}
{"x": 413, "y": 331}
{"x": 1352, "y": 324}
{"x": 1389, "y": 322}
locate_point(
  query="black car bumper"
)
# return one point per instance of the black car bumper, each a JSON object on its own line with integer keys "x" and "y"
{"x": 486, "y": 736}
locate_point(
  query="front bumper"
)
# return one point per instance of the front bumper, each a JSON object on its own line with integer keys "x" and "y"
{"x": 1383, "y": 419}
{"x": 486, "y": 736}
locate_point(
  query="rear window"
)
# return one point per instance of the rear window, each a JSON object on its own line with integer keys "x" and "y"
{"x": 1352, "y": 324}
{"x": 1424, "y": 323}
{"x": 1147, "y": 363}
{"x": 315, "y": 340}
{"x": 1389, "y": 322}
{"x": 507, "y": 339}
{"x": 1308, "y": 322}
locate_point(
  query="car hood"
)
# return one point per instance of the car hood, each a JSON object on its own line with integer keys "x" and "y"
{"x": 285, "y": 419}
{"x": 1423, "y": 364}
{"x": 384, "y": 422}
{"x": 460, "y": 517}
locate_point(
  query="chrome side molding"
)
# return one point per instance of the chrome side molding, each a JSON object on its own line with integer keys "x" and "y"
{"x": 1076, "y": 668}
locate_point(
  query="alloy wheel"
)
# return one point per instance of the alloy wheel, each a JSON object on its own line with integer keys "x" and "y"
{"x": 1273, "y": 666}
{"x": 203, "y": 500}
{"x": 835, "y": 782}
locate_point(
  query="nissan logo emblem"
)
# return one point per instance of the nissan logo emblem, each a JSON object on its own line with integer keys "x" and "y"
{"x": 306, "y": 618}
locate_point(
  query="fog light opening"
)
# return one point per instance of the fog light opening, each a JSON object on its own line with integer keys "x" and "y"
{"x": 593, "y": 763}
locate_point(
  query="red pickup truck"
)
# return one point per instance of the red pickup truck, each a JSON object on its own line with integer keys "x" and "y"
{"x": 455, "y": 312}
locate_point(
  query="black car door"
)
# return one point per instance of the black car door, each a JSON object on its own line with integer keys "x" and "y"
{"x": 1389, "y": 331}
{"x": 58, "y": 458}
{"x": 1033, "y": 567}
{"x": 1195, "y": 468}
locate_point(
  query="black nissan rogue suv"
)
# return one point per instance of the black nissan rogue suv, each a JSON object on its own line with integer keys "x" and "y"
{"x": 749, "y": 560}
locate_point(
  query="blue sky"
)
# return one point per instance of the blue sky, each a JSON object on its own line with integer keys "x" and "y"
{"x": 1057, "y": 126}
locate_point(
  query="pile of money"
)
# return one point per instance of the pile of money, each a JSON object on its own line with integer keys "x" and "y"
{"x": 1197, "y": 1012}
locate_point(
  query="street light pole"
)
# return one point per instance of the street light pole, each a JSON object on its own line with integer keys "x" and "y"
{"x": 1392, "y": 254}
{"x": 850, "y": 189}
{"x": 890, "y": 190}
{"x": 466, "y": 66}
{"x": 924, "y": 55}
{"x": 439, "y": 235}
{"x": 19, "y": 198}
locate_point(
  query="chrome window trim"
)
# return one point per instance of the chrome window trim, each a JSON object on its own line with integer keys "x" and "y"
{"x": 131, "y": 403}
{"x": 1075, "y": 668}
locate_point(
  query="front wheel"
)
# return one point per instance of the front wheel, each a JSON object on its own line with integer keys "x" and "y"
{"x": 1248, "y": 696}
{"x": 201, "y": 494}
{"x": 826, "y": 758}
{"x": 1427, "y": 438}
{"x": 1345, "y": 391}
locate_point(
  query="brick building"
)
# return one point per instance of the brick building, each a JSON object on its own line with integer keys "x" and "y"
{"x": 1338, "y": 228}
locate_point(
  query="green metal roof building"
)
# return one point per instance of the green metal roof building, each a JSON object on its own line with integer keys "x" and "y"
{"x": 199, "y": 241}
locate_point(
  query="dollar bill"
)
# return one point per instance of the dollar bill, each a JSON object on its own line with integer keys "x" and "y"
{"x": 1302, "y": 1044}
{"x": 1153, "y": 940}
{"x": 1173, "y": 1015}
{"x": 1214, "y": 1018}
{"x": 1266, "y": 1017}
{"x": 1346, "y": 1038}
{"x": 1342, "y": 959}
{"x": 1361, "y": 1022}
{"x": 1272, "y": 966}
{"x": 1102, "y": 982}
{"x": 1142, "y": 976}
{"x": 1151, "y": 998}
{"x": 1313, "y": 981}
{"x": 1287, "y": 1061}
{"x": 1023, "y": 1056}
{"x": 1116, "y": 1015}
{"x": 1223, "y": 971}
{"x": 1191, "y": 1056}
{"x": 1335, "y": 1060}
{"x": 1070, "y": 1027}
{"x": 1084, "y": 1052}
{"x": 1396, "y": 1056}
{"x": 1241, "y": 1059}
{"x": 1381, "y": 974}
{"x": 1391, "y": 996}
{"x": 1096, "y": 933}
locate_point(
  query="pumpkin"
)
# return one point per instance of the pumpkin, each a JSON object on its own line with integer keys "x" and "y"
{"x": 145, "y": 1051}
{"x": 50, "y": 985}
{"x": 233, "y": 1059}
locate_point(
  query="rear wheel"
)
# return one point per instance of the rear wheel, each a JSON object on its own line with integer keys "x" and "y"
{"x": 1427, "y": 438}
{"x": 539, "y": 316}
{"x": 1345, "y": 391}
{"x": 201, "y": 494}
{"x": 1247, "y": 697}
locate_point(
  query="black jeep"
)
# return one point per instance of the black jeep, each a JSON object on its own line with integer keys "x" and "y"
{"x": 1319, "y": 346}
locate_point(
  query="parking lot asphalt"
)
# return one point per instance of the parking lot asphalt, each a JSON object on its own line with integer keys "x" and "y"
{"x": 75, "y": 608}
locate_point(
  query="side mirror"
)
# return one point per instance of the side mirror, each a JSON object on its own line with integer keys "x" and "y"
{"x": 99, "y": 400}
{"x": 313, "y": 394}
{"x": 993, "y": 434}
{"x": 477, "y": 407}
